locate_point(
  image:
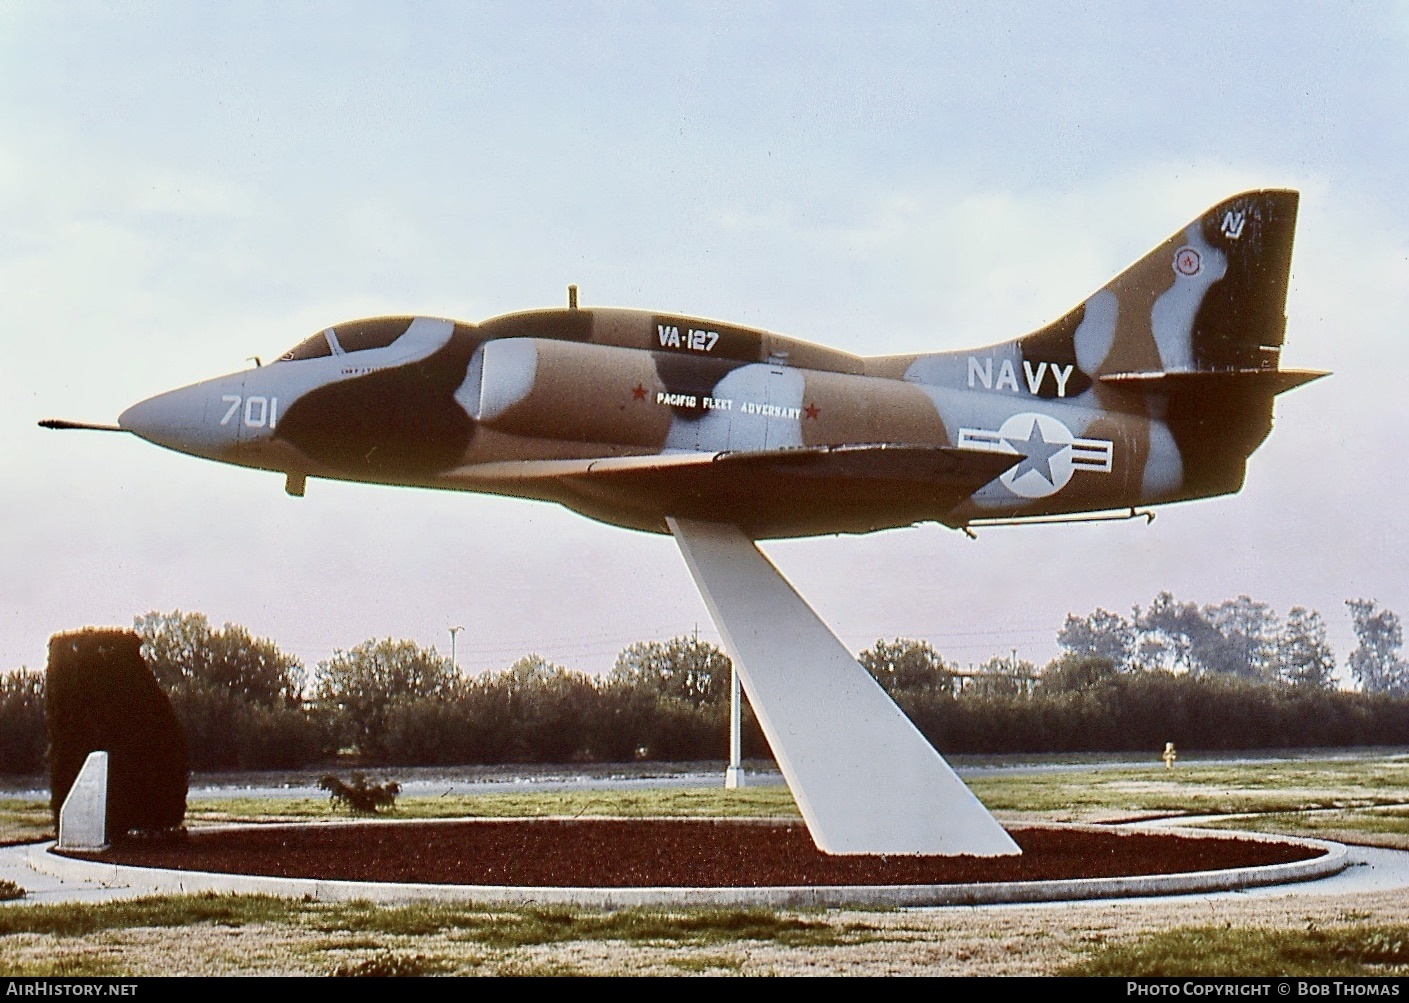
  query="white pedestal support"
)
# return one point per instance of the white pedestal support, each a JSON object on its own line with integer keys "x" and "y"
{"x": 83, "y": 819}
{"x": 863, "y": 776}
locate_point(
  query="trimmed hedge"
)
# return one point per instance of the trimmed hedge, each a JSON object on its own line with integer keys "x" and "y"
{"x": 101, "y": 696}
{"x": 556, "y": 715}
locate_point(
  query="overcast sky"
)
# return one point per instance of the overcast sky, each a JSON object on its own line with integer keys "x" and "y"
{"x": 186, "y": 185}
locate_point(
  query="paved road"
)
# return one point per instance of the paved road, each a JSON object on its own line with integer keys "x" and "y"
{"x": 512, "y": 779}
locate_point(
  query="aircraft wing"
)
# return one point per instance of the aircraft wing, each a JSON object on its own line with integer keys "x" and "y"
{"x": 963, "y": 469}
{"x": 770, "y": 493}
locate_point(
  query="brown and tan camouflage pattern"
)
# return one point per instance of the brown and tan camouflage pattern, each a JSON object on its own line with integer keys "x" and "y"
{"x": 1155, "y": 389}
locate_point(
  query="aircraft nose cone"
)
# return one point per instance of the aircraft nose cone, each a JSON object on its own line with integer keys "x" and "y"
{"x": 162, "y": 418}
{"x": 146, "y": 418}
{"x": 181, "y": 420}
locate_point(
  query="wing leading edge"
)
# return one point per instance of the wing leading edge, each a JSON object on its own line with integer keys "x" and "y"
{"x": 768, "y": 494}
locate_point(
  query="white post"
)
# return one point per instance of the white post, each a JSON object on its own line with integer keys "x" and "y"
{"x": 734, "y": 775}
{"x": 455, "y": 664}
{"x": 83, "y": 819}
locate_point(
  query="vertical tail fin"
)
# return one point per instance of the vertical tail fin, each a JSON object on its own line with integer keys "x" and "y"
{"x": 1211, "y": 297}
{"x": 1184, "y": 347}
{"x": 1191, "y": 334}
{"x": 1241, "y": 322}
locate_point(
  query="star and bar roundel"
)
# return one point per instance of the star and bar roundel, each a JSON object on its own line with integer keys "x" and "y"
{"x": 1051, "y": 454}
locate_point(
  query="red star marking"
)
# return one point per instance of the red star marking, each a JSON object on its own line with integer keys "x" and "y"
{"x": 638, "y": 392}
{"x": 812, "y": 411}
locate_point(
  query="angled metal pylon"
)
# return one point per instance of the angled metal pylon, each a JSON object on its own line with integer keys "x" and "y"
{"x": 865, "y": 779}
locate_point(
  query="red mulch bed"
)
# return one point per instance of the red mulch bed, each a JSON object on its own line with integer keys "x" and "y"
{"x": 615, "y": 853}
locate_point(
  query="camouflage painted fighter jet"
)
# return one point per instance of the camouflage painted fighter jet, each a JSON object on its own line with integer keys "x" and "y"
{"x": 1155, "y": 389}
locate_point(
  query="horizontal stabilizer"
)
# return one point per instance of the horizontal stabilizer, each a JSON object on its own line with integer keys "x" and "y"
{"x": 1257, "y": 382}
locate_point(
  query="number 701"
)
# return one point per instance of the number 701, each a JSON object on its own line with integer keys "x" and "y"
{"x": 259, "y": 412}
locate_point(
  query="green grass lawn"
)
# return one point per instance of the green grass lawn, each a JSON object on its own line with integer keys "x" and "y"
{"x": 1199, "y": 789}
{"x": 24, "y": 821}
{"x": 691, "y": 802}
{"x": 498, "y": 927}
{"x": 1365, "y": 798}
{"x": 359, "y": 938}
{"x": 1310, "y": 796}
{"x": 1358, "y": 951}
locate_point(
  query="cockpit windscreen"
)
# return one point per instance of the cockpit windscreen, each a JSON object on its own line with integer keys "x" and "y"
{"x": 354, "y": 336}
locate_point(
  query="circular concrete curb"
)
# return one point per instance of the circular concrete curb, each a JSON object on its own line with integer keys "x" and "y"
{"x": 157, "y": 881}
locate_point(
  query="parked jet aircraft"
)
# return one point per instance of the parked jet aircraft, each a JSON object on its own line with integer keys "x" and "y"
{"x": 1155, "y": 389}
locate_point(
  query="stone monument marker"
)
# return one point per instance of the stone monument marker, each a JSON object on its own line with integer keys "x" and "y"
{"x": 83, "y": 819}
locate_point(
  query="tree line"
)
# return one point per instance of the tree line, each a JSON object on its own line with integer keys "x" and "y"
{"x": 1244, "y": 639}
{"x": 1222, "y": 676}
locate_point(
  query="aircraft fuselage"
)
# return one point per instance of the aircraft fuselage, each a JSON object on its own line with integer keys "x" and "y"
{"x": 1155, "y": 389}
{"x": 479, "y": 408}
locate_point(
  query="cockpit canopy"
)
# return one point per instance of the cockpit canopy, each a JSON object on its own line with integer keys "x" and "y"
{"x": 354, "y": 336}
